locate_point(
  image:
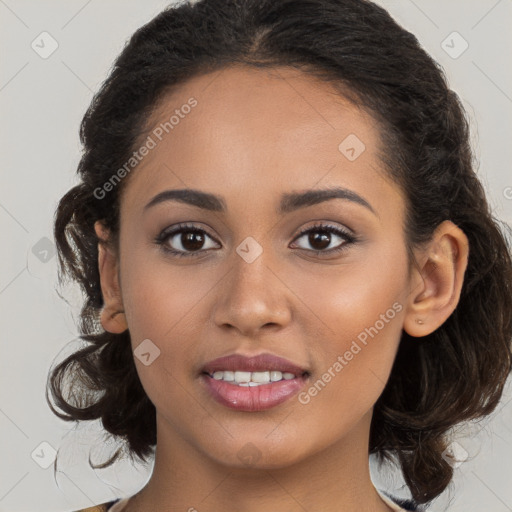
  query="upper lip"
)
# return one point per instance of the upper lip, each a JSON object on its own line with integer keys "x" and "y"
{"x": 261, "y": 362}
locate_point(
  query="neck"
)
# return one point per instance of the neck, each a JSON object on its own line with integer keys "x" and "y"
{"x": 334, "y": 479}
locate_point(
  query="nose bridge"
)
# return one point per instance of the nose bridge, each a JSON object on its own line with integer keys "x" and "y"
{"x": 251, "y": 296}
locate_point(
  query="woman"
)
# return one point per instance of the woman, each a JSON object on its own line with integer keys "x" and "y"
{"x": 288, "y": 260}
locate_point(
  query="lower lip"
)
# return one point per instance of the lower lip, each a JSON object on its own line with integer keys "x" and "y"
{"x": 253, "y": 398}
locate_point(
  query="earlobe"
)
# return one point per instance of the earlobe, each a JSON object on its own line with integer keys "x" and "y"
{"x": 112, "y": 315}
{"x": 437, "y": 282}
{"x": 113, "y": 321}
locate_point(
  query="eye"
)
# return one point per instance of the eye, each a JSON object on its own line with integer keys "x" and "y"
{"x": 320, "y": 237}
{"x": 184, "y": 240}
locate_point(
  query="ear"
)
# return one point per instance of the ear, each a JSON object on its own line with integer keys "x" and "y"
{"x": 436, "y": 282}
{"x": 112, "y": 315}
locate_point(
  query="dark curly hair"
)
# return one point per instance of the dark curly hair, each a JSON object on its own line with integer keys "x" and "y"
{"x": 455, "y": 374}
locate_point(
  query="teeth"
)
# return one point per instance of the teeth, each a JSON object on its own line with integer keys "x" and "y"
{"x": 242, "y": 377}
{"x": 229, "y": 376}
{"x": 261, "y": 377}
{"x": 246, "y": 379}
{"x": 275, "y": 376}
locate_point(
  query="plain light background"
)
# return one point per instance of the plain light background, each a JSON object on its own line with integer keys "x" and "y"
{"x": 42, "y": 101}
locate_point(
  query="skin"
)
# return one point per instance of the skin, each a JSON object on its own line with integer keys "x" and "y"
{"x": 255, "y": 135}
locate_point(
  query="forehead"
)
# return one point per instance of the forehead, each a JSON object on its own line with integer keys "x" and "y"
{"x": 263, "y": 130}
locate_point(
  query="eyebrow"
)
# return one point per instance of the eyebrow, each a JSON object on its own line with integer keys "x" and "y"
{"x": 289, "y": 202}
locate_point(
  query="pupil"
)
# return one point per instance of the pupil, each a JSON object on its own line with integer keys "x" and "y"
{"x": 192, "y": 241}
{"x": 324, "y": 239}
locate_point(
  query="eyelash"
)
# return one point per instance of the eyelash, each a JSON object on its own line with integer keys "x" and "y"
{"x": 319, "y": 227}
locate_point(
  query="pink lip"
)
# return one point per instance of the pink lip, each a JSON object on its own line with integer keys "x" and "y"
{"x": 253, "y": 398}
{"x": 261, "y": 362}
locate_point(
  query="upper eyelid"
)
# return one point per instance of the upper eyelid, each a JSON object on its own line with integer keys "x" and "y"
{"x": 325, "y": 224}
{"x": 319, "y": 225}
{"x": 176, "y": 229}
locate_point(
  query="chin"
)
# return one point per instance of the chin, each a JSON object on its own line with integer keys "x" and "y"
{"x": 257, "y": 453}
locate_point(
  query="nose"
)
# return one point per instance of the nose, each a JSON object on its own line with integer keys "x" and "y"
{"x": 252, "y": 297}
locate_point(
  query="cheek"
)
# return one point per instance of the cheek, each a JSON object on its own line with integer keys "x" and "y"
{"x": 351, "y": 297}
{"x": 359, "y": 312}
{"x": 161, "y": 305}
{"x": 160, "y": 298}
{"x": 165, "y": 303}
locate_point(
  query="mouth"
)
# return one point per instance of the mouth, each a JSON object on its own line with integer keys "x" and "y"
{"x": 253, "y": 383}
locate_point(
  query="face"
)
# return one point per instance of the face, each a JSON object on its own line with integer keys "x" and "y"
{"x": 320, "y": 282}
